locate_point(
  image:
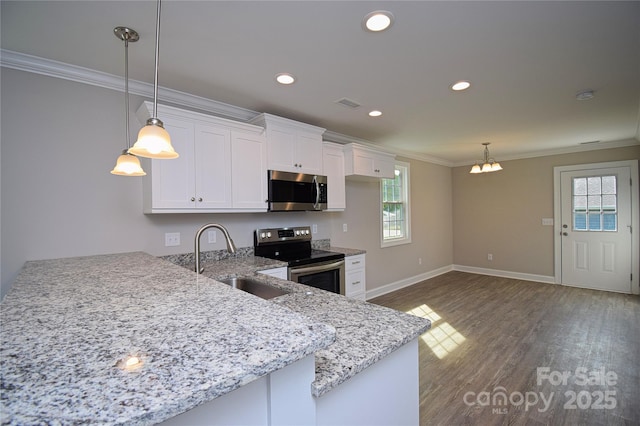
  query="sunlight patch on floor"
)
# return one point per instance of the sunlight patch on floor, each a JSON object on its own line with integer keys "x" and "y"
{"x": 442, "y": 338}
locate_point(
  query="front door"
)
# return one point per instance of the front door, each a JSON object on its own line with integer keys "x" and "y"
{"x": 596, "y": 239}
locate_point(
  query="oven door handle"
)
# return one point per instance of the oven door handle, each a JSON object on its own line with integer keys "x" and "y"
{"x": 318, "y": 268}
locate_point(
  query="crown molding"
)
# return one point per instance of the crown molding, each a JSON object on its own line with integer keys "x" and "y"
{"x": 331, "y": 136}
{"x": 34, "y": 64}
{"x": 51, "y": 68}
{"x": 559, "y": 151}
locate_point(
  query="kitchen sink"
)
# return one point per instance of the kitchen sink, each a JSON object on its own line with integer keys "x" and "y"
{"x": 253, "y": 286}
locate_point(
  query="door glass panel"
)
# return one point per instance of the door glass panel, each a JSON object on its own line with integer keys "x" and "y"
{"x": 595, "y": 204}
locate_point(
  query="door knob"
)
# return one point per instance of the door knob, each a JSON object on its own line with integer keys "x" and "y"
{"x": 564, "y": 234}
{"x": 565, "y": 226}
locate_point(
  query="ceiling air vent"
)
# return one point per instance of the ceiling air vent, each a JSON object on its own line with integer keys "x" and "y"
{"x": 348, "y": 103}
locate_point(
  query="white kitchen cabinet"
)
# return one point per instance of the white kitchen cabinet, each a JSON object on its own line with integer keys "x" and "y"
{"x": 221, "y": 168}
{"x": 292, "y": 146}
{"x": 363, "y": 161}
{"x": 276, "y": 272}
{"x": 355, "y": 277}
{"x": 333, "y": 169}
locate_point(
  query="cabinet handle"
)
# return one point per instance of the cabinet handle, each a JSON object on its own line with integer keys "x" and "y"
{"x": 200, "y": 199}
{"x": 355, "y": 282}
{"x": 355, "y": 262}
{"x": 193, "y": 198}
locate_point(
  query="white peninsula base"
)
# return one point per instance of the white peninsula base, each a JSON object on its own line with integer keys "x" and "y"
{"x": 385, "y": 393}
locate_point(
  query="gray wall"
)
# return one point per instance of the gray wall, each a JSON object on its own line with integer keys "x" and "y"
{"x": 501, "y": 213}
{"x": 431, "y": 226}
{"x": 60, "y": 139}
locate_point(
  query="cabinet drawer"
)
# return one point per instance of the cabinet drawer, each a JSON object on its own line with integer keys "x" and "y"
{"x": 355, "y": 282}
{"x": 354, "y": 262}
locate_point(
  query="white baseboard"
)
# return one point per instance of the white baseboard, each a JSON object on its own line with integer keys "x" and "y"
{"x": 406, "y": 282}
{"x": 548, "y": 279}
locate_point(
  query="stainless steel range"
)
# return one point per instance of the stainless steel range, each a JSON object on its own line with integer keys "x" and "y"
{"x": 316, "y": 268}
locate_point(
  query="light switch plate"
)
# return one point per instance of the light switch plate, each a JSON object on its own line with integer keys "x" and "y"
{"x": 547, "y": 221}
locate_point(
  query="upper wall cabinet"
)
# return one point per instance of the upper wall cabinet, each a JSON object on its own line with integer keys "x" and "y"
{"x": 360, "y": 160}
{"x": 333, "y": 169}
{"x": 222, "y": 165}
{"x": 292, "y": 146}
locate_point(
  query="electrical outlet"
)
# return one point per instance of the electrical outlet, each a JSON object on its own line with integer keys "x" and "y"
{"x": 344, "y": 227}
{"x": 314, "y": 229}
{"x": 172, "y": 239}
{"x": 489, "y": 257}
{"x": 419, "y": 261}
{"x": 212, "y": 236}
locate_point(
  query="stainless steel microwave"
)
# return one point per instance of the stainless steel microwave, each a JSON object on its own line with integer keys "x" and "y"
{"x": 296, "y": 191}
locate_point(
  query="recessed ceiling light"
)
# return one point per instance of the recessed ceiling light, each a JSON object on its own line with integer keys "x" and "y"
{"x": 460, "y": 85}
{"x": 377, "y": 21}
{"x": 285, "y": 78}
{"x": 375, "y": 113}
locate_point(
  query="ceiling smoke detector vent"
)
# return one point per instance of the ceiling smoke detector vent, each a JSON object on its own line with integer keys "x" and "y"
{"x": 585, "y": 95}
{"x": 349, "y": 103}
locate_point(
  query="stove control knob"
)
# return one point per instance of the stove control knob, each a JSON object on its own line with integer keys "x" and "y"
{"x": 306, "y": 232}
{"x": 262, "y": 235}
{"x": 268, "y": 234}
{"x": 297, "y": 232}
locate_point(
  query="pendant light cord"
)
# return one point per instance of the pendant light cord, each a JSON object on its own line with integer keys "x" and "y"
{"x": 126, "y": 87}
{"x": 155, "y": 83}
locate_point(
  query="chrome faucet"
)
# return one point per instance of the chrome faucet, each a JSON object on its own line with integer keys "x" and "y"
{"x": 231, "y": 247}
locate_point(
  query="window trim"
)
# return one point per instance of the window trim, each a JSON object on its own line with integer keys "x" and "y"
{"x": 407, "y": 196}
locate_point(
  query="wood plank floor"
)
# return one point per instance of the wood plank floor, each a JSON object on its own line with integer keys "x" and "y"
{"x": 490, "y": 336}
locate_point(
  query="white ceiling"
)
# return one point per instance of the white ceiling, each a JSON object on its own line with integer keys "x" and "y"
{"x": 526, "y": 62}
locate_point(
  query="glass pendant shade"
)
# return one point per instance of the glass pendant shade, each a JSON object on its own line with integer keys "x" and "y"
{"x": 476, "y": 169}
{"x": 154, "y": 142}
{"x": 495, "y": 167}
{"x": 127, "y": 165}
{"x": 486, "y": 167}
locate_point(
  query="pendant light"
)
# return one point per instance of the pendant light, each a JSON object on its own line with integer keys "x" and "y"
{"x": 489, "y": 164}
{"x": 153, "y": 140}
{"x": 127, "y": 164}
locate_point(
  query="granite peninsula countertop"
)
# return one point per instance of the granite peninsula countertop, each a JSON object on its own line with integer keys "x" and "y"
{"x": 365, "y": 333}
{"x": 62, "y": 337}
{"x": 67, "y": 322}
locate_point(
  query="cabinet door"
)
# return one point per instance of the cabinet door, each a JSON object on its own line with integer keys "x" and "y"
{"x": 172, "y": 181}
{"x": 282, "y": 149}
{"x": 249, "y": 172}
{"x": 212, "y": 167}
{"x": 333, "y": 168}
{"x": 385, "y": 168}
{"x": 363, "y": 163}
{"x": 308, "y": 153}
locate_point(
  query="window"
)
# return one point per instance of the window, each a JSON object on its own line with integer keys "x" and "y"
{"x": 595, "y": 204}
{"x": 395, "y": 218}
